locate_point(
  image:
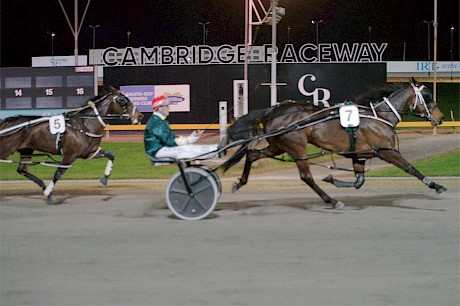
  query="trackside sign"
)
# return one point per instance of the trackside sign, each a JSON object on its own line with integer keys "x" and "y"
{"x": 227, "y": 54}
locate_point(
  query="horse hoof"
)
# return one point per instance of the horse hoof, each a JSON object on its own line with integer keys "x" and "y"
{"x": 104, "y": 181}
{"x": 328, "y": 178}
{"x": 440, "y": 189}
{"x": 339, "y": 205}
{"x": 235, "y": 187}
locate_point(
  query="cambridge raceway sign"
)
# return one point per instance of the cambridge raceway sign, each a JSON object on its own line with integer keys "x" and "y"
{"x": 227, "y": 54}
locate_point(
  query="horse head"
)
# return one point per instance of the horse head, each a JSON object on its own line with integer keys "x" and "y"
{"x": 397, "y": 99}
{"x": 124, "y": 106}
{"x": 424, "y": 105}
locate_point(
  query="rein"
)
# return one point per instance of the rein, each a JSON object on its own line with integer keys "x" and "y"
{"x": 85, "y": 132}
{"x": 388, "y": 103}
{"x": 94, "y": 108}
{"x": 15, "y": 128}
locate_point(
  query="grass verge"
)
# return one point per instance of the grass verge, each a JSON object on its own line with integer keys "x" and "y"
{"x": 132, "y": 163}
{"x": 445, "y": 164}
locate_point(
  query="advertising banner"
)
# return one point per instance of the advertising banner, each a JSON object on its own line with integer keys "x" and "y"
{"x": 142, "y": 96}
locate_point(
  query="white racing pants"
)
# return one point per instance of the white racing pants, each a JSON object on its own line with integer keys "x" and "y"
{"x": 188, "y": 151}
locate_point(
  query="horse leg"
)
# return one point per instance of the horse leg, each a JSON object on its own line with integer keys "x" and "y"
{"x": 57, "y": 176}
{"x": 395, "y": 158}
{"x": 25, "y": 158}
{"x": 108, "y": 168}
{"x": 305, "y": 175}
{"x": 251, "y": 156}
{"x": 358, "y": 167}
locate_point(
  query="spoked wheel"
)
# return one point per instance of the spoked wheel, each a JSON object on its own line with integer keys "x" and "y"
{"x": 197, "y": 202}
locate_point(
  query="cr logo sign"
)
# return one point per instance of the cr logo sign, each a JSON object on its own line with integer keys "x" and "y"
{"x": 326, "y": 94}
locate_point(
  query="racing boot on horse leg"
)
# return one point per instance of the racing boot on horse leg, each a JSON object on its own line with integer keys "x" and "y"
{"x": 358, "y": 167}
{"x": 108, "y": 168}
{"x": 49, "y": 189}
{"x": 395, "y": 158}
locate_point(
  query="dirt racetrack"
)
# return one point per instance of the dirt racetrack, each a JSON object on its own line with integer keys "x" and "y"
{"x": 272, "y": 243}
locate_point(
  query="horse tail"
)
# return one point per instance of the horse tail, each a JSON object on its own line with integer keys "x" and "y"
{"x": 235, "y": 158}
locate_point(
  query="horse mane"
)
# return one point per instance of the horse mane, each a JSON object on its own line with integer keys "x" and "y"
{"x": 19, "y": 117}
{"x": 299, "y": 104}
{"x": 376, "y": 94}
{"x": 84, "y": 106}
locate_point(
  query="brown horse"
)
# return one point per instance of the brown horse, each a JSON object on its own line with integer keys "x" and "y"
{"x": 290, "y": 126}
{"x": 79, "y": 137}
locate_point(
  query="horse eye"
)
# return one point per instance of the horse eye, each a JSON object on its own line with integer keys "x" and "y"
{"x": 124, "y": 102}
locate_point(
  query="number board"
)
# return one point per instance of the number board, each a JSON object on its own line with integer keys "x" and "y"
{"x": 45, "y": 88}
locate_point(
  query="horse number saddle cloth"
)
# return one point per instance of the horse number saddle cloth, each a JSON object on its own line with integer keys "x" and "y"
{"x": 349, "y": 116}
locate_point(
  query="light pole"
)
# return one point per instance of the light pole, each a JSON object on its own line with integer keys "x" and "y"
{"x": 94, "y": 37}
{"x": 204, "y": 24}
{"x": 94, "y": 34}
{"x": 316, "y": 23}
{"x": 451, "y": 50}
{"x": 52, "y": 34}
{"x": 128, "y": 33}
{"x": 452, "y": 43}
{"x": 289, "y": 34}
{"x": 76, "y": 28}
{"x": 273, "y": 85}
{"x": 428, "y": 34}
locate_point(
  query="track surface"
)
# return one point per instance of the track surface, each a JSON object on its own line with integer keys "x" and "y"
{"x": 272, "y": 243}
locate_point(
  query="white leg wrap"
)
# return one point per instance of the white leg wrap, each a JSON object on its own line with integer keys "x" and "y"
{"x": 108, "y": 167}
{"x": 49, "y": 189}
{"x": 427, "y": 181}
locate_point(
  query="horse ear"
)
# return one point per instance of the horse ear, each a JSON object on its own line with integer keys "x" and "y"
{"x": 113, "y": 89}
{"x": 413, "y": 81}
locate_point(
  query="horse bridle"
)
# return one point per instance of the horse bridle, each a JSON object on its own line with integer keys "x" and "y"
{"x": 121, "y": 99}
{"x": 419, "y": 98}
{"x": 124, "y": 102}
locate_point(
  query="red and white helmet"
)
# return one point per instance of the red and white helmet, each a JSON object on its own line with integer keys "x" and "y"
{"x": 159, "y": 101}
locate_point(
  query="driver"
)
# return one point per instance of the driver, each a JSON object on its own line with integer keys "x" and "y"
{"x": 160, "y": 141}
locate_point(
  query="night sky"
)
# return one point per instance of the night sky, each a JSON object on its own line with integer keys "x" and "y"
{"x": 25, "y": 25}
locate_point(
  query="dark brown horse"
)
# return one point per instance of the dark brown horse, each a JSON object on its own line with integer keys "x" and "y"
{"x": 77, "y": 134}
{"x": 290, "y": 126}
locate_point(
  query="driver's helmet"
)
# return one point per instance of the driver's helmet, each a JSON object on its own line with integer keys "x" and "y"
{"x": 159, "y": 101}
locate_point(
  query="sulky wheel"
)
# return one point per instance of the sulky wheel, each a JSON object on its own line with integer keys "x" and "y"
{"x": 214, "y": 175}
{"x": 203, "y": 196}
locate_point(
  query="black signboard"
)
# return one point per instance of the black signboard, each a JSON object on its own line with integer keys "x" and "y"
{"x": 45, "y": 88}
{"x": 209, "y": 84}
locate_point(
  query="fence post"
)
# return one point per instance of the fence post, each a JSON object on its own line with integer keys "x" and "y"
{"x": 222, "y": 119}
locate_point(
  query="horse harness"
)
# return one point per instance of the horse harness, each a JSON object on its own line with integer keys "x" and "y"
{"x": 333, "y": 112}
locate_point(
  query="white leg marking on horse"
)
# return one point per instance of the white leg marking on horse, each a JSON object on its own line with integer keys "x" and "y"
{"x": 49, "y": 189}
{"x": 108, "y": 167}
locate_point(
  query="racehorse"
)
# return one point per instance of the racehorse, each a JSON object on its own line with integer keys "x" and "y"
{"x": 291, "y": 125}
{"x": 80, "y": 135}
